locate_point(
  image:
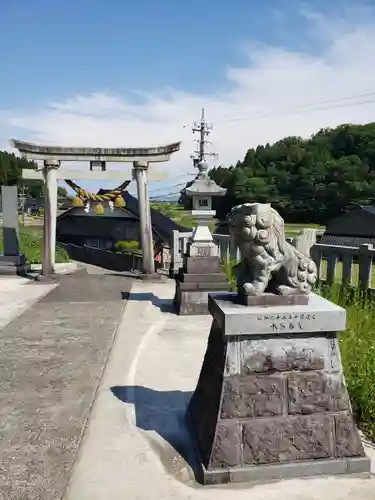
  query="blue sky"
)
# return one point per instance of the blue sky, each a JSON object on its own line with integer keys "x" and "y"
{"x": 84, "y": 71}
{"x": 55, "y": 49}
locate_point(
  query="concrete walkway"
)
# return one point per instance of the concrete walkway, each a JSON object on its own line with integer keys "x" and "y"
{"x": 137, "y": 422}
{"x": 16, "y": 296}
{"x": 52, "y": 359}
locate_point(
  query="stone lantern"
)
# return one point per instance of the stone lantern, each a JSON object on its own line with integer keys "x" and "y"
{"x": 201, "y": 272}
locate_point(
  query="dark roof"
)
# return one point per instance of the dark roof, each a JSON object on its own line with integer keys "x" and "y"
{"x": 222, "y": 227}
{"x": 161, "y": 224}
{"x": 346, "y": 241}
{"x": 32, "y": 202}
{"x": 368, "y": 208}
{"x": 159, "y": 221}
{"x": 95, "y": 228}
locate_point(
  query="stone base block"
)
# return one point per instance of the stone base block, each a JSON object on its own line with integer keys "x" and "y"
{"x": 13, "y": 270}
{"x": 271, "y": 404}
{"x": 319, "y": 315}
{"x": 287, "y": 471}
{"x": 154, "y": 277}
{"x": 270, "y": 299}
{"x": 13, "y": 265}
{"x": 191, "y": 298}
{"x": 207, "y": 286}
{"x": 204, "y": 249}
{"x": 12, "y": 260}
{"x": 202, "y": 265}
{"x": 201, "y": 278}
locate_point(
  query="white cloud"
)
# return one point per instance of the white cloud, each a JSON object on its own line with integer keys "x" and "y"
{"x": 260, "y": 106}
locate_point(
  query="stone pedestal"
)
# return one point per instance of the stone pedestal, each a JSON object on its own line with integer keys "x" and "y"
{"x": 201, "y": 273}
{"x": 271, "y": 400}
{"x": 13, "y": 265}
{"x": 12, "y": 262}
{"x": 198, "y": 277}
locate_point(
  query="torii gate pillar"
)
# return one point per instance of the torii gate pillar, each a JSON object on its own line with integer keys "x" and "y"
{"x": 140, "y": 173}
{"x": 50, "y": 213}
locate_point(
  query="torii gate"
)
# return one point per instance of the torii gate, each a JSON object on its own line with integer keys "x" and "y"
{"x": 52, "y": 156}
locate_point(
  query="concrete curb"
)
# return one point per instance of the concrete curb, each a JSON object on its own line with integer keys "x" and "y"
{"x": 63, "y": 268}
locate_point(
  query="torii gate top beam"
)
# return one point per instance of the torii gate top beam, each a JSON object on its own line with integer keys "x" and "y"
{"x": 123, "y": 155}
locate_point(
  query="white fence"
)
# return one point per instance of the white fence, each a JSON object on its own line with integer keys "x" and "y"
{"x": 345, "y": 265}
{"x": 179, "y": 247}
{"x": 227, "y": 251}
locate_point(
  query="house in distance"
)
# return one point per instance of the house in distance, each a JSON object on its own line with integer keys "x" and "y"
{"x": 352, "y": 229}
{"x": 82, "y": 227}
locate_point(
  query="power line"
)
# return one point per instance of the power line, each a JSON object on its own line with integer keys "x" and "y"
{"x": 297, "y": 108}
{"x": 367, "y": 94}
{"x": 168, "y": 195}
{"x": 286, "y": 113}
{"x": 174, "y": 178}
{"x": 169, "y": 187}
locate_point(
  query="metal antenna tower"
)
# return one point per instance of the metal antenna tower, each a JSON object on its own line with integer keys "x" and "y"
{"x": 204, "y": 130}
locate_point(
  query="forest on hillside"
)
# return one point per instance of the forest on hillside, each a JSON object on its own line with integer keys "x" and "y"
{"x": 11, "y": 174}
{"x": 306, "y": 180}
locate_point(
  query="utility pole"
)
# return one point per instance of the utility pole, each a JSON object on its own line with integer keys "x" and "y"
{"x": 204, "y": 130}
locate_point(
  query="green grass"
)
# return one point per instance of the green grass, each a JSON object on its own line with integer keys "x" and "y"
{"x": 291, "y": 230}
{"x": 184, "y": 218}
{"x": 296, "y": 228}
{"x": 31, "y": 244}
{"x": 178, "y": 214}
{"x": 338, "y": 273}
{"x": 357, "y": 345}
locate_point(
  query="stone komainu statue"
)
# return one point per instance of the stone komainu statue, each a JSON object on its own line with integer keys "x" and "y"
{"x": 268, "y": 262}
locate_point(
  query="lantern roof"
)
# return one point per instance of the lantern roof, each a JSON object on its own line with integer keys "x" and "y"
{"x": 203, "y": 185}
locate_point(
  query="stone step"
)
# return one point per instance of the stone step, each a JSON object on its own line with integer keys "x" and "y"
{"x": 8, "y": 270}
{"x": 12, "y": 270}
{"x": 196, "y": 278}
{"x": 206, "y": 286}
{"x": 202, "y": 265}
{"x": 12, "y": 260}
{"x": 8, "y": 263}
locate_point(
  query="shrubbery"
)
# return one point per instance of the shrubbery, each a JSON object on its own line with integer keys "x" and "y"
{"x": 128, "y": 247}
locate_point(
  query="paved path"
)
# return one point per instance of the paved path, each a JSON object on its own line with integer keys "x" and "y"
{"x": 16, "y": 296}
{"x": 137, "y": 422}
{"x": 51, "y": 361}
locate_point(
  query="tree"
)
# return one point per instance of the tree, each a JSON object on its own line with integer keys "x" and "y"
{"x": 62, "y": 192}
{"x": 310, "y": 180}
{"x": 11, "y": 167}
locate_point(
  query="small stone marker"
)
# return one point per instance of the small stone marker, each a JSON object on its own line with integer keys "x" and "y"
{"x": 9, "y": 199}
{"x": 11, "y": 262}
